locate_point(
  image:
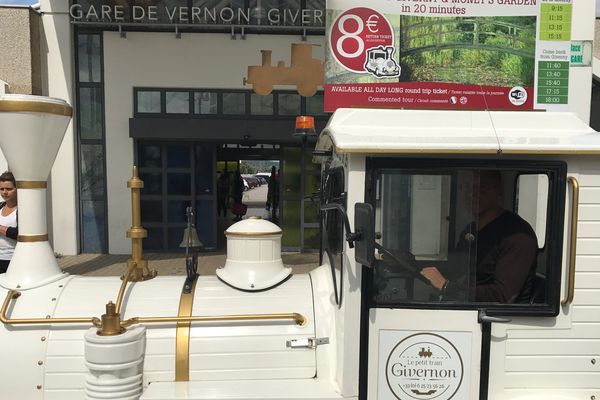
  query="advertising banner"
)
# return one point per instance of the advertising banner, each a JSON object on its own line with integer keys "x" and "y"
{"x": 448, "y": 54}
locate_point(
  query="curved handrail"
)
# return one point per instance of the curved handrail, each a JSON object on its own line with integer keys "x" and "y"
{"x": 573, "y": 241}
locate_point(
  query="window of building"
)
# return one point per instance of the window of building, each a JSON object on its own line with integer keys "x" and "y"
{"x": 234, "y": 103}
{"x": 89, "y": 58}
{"x": 177, "y": 102}
{"x": 289, "y": 104}
{"x": 483, "y": 229}
{"x": 149, "y": 101}
{"x": 205, "y": 103}
{"x": 200, "y": 103}
{"x": 261, "y": 105}
{"x": 315, "y": 105}
{"x": 92, "y": 146}
{"x": 91, "y": 112}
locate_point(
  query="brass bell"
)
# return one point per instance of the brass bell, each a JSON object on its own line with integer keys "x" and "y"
{"x": 191, "y": 236}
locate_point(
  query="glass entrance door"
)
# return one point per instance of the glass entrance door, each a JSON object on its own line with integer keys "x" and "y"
{"x": 177, "y": 175}
{"x": 300, "y": 178}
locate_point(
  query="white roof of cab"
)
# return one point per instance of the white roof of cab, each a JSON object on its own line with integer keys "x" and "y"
{"x": 451, "y": 132}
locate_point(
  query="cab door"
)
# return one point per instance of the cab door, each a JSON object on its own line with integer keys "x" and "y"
{"x": 420, "y": 347}
{"x": 423, "y": 342}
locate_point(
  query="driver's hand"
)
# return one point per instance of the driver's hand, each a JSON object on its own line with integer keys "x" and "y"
{"x": 434, "y": 277}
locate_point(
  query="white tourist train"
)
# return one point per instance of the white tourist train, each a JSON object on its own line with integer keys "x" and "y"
{"x": 398, "y": 191}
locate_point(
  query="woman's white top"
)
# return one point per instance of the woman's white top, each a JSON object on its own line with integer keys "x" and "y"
{"x": 7, "y": 245}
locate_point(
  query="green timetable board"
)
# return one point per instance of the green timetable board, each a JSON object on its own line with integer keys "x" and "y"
{"x": 553, "y": 82}
{"x": 555, "y": 22}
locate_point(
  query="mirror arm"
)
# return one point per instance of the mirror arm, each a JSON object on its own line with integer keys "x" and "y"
{"x": 351, "y": 237}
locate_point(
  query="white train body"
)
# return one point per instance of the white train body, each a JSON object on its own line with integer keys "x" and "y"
{"x": 217, "y": 353}
{"x": 343, "y": 331}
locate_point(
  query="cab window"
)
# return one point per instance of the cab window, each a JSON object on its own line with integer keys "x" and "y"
{"x": 332, "y": 236}
{"x": 467, "y": 236}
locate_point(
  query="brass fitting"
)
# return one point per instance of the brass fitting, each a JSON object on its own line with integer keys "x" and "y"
{"x": 137, "y": 264}
{"x": 111, "y": 321}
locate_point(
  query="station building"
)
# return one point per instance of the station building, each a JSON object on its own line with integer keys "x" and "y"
{"x": 160, "y": 84}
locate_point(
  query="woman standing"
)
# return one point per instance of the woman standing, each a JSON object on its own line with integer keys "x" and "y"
{"x": 8, "y": 219}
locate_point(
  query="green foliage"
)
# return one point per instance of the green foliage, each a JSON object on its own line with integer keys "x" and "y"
{"x": 246, "y": 168}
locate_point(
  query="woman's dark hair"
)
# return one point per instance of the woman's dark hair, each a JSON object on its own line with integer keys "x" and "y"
{"x": 8, "y": 177}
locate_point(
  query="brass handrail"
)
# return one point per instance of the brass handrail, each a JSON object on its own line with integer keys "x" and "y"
{"x": 299, "y": 319}
{"x": 573, "y": 241}
{"x": 13, "y": 295}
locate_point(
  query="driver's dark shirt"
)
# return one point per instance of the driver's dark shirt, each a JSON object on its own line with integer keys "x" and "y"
{"x": 506, "y": 261}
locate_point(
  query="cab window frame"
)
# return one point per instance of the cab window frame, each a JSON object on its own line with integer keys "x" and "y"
{"x": 336, "y": 259}
{"x": 553, "y": 245}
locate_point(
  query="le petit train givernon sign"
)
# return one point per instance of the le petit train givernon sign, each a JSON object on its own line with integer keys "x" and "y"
{"x": 125, "y": 13}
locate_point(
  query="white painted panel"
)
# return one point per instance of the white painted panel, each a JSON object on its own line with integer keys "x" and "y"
{"x": 219, "y": 344}
{"x": 253, "y": 373}
{"x": 550, "y": 393}
{"x": 587, "y": 280}
{"x": 587, "y": 263}
{"x": 588, "y": 229}
{"x": 574, "y": 380}
{"x": 163, "y": 376}
{"x": 65, "y": 364}
{"x": 589, "y": 195}
{"x": 156, "y": 363}
{"x": 586, "y": 314}
{"x": 578, "y": 331}
{"x": 589, "y": 178}
{"x": 63, "y": 394}
{"x": 553, "y": 347}
{"x": 64, "y": 380}
{"x": 64, "y": 348}
{"x": 300, "y": 389}
{"x": 550, "y": 364}
{"x": 588, "y": 212}
{"x": 587, "y": 297}
{"x": 200, "y": 361}
{"x": 588, "y": 246}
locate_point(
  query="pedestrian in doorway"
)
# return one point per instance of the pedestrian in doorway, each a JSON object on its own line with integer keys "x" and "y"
{"x": 8, "y": 219}
{"x": 238, "y": 192}
{"x": 273, "y": 193}
{"x": 222, "y": 193}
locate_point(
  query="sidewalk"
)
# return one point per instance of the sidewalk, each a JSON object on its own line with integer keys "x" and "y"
{"x": 169, "y": 263}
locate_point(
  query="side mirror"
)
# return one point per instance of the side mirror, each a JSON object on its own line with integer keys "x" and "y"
{"x": 364, "y": 227}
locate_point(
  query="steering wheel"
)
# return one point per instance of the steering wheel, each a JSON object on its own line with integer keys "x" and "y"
{"x": 408, "y": 265}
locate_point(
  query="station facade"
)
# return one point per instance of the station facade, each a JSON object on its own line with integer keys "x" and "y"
{"x": 160, "y": 84}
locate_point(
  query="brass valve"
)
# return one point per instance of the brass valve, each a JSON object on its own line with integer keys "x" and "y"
{"x": 111, "y": 321}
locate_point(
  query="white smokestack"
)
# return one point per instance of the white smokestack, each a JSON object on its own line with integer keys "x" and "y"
{"x": 31, "y": 131}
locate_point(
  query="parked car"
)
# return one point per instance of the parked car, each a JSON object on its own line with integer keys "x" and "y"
{"x": 252, "y": 181}
{"x": 264, "y": 175}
